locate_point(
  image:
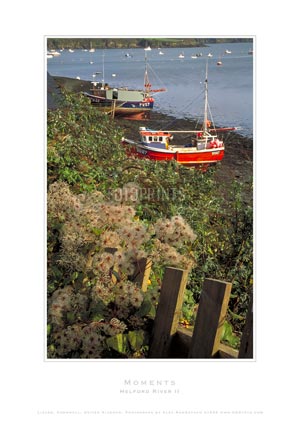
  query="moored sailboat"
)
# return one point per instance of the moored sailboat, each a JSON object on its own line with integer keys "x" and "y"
{"x": 205, "y": 147}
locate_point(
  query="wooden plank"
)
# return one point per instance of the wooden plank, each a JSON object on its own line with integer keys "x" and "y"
{"x": 168, "y": 311}
{"x": 142, "y": 273}
{"x": 246, "y": 348}
{"x": 227, "y": 352}
{"x": 180, "y": 344}
{"x": 210, "y": 318}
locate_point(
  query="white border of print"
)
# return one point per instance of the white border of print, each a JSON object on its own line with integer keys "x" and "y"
{"x": 68, "y": 392}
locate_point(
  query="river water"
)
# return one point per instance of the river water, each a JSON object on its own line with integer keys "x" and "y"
{"x": 230, "y": 86}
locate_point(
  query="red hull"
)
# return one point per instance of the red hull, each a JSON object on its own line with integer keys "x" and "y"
{"x": 184, "y": 156}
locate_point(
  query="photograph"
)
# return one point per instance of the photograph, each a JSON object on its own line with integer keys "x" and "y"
{"x": 150, "y": 176}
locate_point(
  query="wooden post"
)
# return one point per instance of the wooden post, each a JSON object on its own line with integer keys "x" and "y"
{"x": 210, "y": 318}
{"x": 142, "y": 273}
{"x": 168, "y": 311}
{"x": 246, "y": 348}
{"x": 113, "y": 109}
{"x": 180, "y": 344}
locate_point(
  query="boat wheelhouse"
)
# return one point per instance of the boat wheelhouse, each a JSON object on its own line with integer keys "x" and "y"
{"x": 120, "y": 100}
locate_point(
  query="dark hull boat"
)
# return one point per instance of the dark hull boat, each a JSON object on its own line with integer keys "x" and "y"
{"x": 121, "y": 101}
{"x": 124, "y": 101}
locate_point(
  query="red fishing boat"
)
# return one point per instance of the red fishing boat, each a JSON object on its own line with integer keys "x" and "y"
{"x": 204, "y": 147}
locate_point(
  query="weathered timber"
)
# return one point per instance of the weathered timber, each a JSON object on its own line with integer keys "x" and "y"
{"x": 226, "y": 352}
{"x": 210, "y": 319}
{"x": 180, "y": 344}
{"x": 168, "y": 312}
{"x": 142, "y": 273}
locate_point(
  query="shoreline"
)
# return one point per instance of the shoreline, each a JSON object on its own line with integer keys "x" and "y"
{"x": 140, "y": 42}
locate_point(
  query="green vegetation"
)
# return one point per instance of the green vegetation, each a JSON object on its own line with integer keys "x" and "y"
{"x": 108, "y": 43}
{"x": 100, "y": 198}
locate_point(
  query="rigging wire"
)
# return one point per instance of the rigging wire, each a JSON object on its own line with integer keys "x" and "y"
{"x": 155, "y": 74}
{"x": 186, "y": 107}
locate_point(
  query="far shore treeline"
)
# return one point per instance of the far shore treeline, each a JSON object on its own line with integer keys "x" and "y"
{"x": 114, "y": 43}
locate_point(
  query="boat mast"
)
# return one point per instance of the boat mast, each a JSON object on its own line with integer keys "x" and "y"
{"x": 103, "y": 79}
{"x": 205, "y": 101}
{"x": 147, "y": 84}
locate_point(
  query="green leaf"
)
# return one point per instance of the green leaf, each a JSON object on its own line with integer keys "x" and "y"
{"x": 236, "y": 316}
{"x": 226, "y": 330}
{"x": 152, "y": 312}
{"x": 97, "y": 317}
{"x": 136, "y": 339}
{"x": 145, "y": 308}
{"x": 51, "y": 348}
{"x": 118, "y": 343}
{"x": 116, "y": 274}
{"x": 98, "y": 311}
{"x": 97, "y": 231}
{"x": 70, "y": 317}
{"x": 228, "y": 335}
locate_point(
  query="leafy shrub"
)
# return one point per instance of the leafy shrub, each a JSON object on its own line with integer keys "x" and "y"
{"x": 83, "y": 146}
{"x": 98, "y": 243}
{"x": 85, "y": 152}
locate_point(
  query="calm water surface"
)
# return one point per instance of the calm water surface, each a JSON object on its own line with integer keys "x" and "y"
{"x": 230, "y": 85}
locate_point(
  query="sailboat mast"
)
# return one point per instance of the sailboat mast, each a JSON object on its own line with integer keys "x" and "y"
{"x": 205, "y": 100}
{"x": 103, "y": 79}
{"x": 147, "y": 84}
